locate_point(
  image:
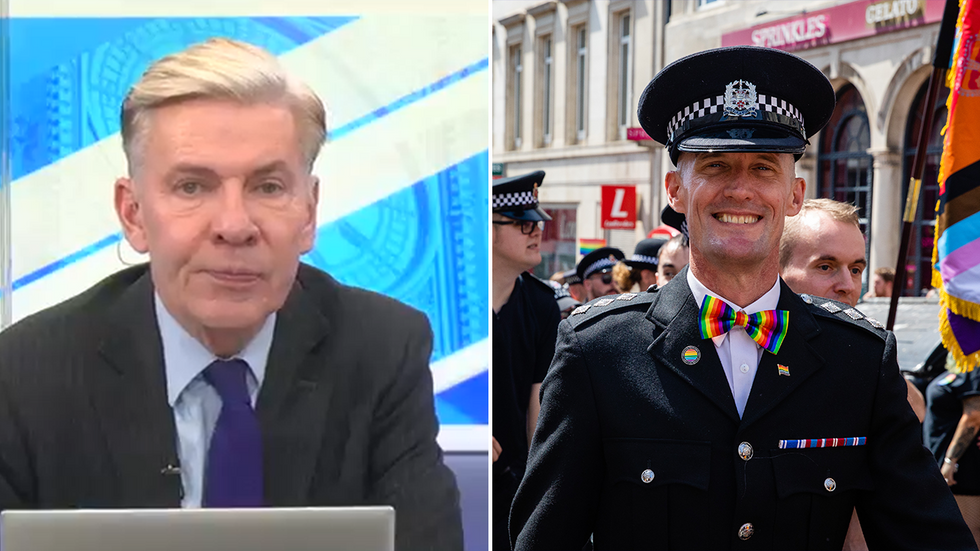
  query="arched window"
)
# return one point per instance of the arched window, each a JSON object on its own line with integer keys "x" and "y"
{"x": 918, "y": 267}
{"x": 845, "y": 166}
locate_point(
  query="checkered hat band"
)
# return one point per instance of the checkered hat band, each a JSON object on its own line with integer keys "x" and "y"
{"x": 716, "y": 104}
{"x": 598, "y": 265}
{"x": 522, "y": 199}
{"x": 644, "y": 258}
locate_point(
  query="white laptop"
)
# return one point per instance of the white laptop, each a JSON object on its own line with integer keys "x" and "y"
{"x": 285, "y": 529}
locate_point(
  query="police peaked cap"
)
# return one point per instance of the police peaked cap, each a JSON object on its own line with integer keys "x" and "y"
{"x": 674, "y": 219}
{"x": 645, "y": 254}
{"x": 599, "y": 260}
{"x": 517, "y": 197}
{"x": 739, "y": 98}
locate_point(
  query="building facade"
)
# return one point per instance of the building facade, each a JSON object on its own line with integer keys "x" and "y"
{"x": 566, "y": 76}
{"x": 877, "y": 54}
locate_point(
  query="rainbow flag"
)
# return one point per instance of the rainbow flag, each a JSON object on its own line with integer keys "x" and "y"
{"x": 586, "y": 246}
{"x": 956, "y": 256}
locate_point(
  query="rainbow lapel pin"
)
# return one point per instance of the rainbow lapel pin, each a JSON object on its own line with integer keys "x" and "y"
{"x": 783, "y": 370}
{"x": 690, "y": 355}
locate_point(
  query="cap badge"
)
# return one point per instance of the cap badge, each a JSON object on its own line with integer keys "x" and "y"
{"x": 741, "y": 100}
{"x": 534, "y": 191}
{"x": 741, "y": 133}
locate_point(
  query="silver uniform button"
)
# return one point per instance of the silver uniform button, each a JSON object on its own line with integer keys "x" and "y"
{"x": 830, "y": 484}
{"x": 745, "y": 451}
{"x": 746, "y": 531}
{"x": 646, "y": 476}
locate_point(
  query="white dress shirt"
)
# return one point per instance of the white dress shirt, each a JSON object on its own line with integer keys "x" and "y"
{"x": 195, "y": 403}
{"x": 739, "y": 354}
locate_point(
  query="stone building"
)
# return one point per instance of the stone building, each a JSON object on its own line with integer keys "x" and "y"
{"x": 564, "y": 70}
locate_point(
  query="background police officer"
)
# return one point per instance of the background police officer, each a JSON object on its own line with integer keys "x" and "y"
{"x": 525, "y": 322}
{"x": 595, "y": 271}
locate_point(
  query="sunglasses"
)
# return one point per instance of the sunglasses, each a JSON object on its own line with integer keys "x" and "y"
{"x": 606, "y": 278}
{"x": 527, "y": 226}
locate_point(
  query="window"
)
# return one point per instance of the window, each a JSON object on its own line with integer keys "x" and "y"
{"x": 545, "y": 99}
{"x": 516, "y": 70}
{"x": 845, "y": 166}
{"x": 575, "y": 106}
{"x": 623, "y": 76}
{"x": 918, "y": 266}
{"x": 704, "y": 3}
{"x": 558, "y": 241}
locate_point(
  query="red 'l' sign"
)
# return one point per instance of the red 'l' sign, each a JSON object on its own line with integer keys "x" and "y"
{"x": 618, "y": 207}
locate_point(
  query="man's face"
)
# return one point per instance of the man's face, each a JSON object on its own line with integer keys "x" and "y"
{"x": 647, "y": 278}
{"x": 735, "y": 204}
{"x": 672, "y": 260}
{"x": 514, "y": 249}
{"x": 224, "y": 204}
{"x": 828, "y": 259}
{"x": 882, "y": 288}
{"x": 577, "y": 290}
{"x": 601, "y": 284}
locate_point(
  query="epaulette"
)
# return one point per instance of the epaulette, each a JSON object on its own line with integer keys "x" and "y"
{"x": 601, "y": 307}
{"x": 834, "y": 309}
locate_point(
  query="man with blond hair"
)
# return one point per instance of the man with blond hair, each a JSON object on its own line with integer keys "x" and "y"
{"x": 821, "y": 253}
{"x": 224, "y": 373}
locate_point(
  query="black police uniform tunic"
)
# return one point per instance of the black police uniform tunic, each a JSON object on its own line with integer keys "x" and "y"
{"x": 524, "y": 333}
{"x": 644, "y": 451}
{"x": 944, "y": 397}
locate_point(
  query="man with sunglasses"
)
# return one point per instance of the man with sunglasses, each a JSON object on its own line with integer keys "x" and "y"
{"x": 596, "y": 268}
{"x": 525, "y": 326}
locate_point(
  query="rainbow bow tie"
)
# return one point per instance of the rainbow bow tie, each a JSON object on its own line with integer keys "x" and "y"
{"x": 768, "y": 328}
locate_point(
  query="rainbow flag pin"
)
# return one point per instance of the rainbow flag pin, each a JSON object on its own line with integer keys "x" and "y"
{"x": 586, "y": 246}
{"x": 783, "y": 370}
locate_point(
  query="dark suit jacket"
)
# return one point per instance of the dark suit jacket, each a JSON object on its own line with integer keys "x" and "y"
{"x": 618, "y": 401}
{"x": 346, "y": 407}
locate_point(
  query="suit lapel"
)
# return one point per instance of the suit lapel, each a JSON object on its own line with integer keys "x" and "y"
{"x": 294, "y": 398}
{"x": 130, "y": 399}
{"x": 800, "y": 359}
{"x": 676, "y": 312}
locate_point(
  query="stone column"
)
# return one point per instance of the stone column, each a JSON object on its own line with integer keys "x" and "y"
{"x": 887, "y": 206}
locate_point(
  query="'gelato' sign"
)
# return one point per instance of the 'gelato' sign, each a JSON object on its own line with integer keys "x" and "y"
{"x": 888, "y": 12}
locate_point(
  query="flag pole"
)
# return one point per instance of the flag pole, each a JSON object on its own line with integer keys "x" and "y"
{"x": 940, "y": 64}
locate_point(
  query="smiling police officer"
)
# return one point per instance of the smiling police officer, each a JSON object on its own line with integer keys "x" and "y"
{"x": 723, "y": 411}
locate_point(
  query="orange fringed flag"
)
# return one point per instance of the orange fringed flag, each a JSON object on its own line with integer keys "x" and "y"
{"x": 956, "y": 256}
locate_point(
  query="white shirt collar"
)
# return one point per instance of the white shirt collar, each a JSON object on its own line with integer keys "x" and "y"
{"x": 767, "y": 301}
{"x": 184, "y": 357}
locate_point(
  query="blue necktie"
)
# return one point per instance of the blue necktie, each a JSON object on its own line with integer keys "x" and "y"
{"x": 233, "y": 477}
